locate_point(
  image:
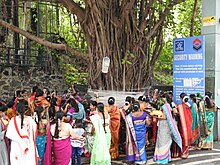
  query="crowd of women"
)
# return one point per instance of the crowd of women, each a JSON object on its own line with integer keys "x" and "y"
{"x": 42, "y": 128}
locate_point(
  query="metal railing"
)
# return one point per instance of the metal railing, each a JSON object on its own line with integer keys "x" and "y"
{"x": 10, "y": 56}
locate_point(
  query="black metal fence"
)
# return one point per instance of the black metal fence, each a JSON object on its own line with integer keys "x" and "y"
{"x": 24, "y": 57}
{"x": 16, "y": 50}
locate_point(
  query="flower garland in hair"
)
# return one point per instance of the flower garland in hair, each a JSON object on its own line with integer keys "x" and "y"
{"x": 59, "y": 128}
{"x": 206, "y": 96}
{"x": 185, "y": 99}
{"x": 36, "y": 117}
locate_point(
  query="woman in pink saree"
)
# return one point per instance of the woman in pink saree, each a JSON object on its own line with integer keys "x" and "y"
{"x": 61, "y": 133}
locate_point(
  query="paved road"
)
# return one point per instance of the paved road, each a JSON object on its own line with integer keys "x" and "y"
{"x": 202, "y": 157}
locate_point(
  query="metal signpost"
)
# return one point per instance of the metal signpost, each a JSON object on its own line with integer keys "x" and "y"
{"x": 211, "y": 31}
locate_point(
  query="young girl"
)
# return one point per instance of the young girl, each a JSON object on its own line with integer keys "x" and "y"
{"x": 41, "y": 137}
{"x": 89, "y": 130}
{"x": 76, "y": 144}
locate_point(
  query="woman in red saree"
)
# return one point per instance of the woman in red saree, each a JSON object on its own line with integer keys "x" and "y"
{"x": 114, "y": 127}
{"x": 185, "y": 128}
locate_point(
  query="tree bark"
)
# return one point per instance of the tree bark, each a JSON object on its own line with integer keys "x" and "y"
{"x": 115, "y": 31}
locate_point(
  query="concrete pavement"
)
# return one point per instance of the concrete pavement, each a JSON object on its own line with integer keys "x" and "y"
{"x": 202, "y": 157}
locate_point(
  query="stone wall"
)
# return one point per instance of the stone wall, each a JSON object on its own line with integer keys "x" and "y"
{"x": 13, "y": 78}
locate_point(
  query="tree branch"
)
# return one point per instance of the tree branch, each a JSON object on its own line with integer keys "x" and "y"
{"x": 193, "y": 18}
{"x": 146, "y": 12}
{"x": 44, "y": 42}
{"x": 72, "y": 6}
{"x": 162, "y": 18}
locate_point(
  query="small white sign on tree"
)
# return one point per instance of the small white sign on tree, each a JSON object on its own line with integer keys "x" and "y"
{"x": 105, "y": 64}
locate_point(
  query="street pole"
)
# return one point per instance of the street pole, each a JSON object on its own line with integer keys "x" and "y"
{"x": 211, "y": 31}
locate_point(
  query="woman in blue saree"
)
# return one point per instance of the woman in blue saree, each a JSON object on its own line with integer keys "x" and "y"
{"x": 167, "y": 131}
{"x": 42, "y": 129}
{"x": 136, "y": 135}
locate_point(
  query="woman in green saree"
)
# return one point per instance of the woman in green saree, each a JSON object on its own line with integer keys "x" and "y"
{"x": 195, "y": 123}
{"x": 208, "y": 107}
{"x": 100, "y": 151}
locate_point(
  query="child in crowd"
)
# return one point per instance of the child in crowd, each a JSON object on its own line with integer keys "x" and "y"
{"x": 76, "y": 144}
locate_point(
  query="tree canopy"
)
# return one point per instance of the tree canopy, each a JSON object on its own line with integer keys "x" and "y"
{"x": 132, "y": 33}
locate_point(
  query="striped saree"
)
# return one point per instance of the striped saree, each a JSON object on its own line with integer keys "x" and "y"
{"x": 167, "y": 130}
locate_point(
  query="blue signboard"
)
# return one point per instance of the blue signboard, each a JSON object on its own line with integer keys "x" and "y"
{"x": 188, "y": 66}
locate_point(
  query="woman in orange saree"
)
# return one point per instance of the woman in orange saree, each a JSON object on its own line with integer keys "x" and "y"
{"x": 114, "y": 127}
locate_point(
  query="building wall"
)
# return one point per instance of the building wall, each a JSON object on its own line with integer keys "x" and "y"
{"x": 14, "y": 78}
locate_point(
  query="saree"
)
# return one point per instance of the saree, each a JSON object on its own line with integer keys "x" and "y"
{"x": 23, "y": 141}
{"x": 185, "y": 128}
{"x": 80, "y": 114}
{"x": 62, "y": 151}
{"x": 195, "y": 123}
{"x": 140, "y": 134}
{"x": 122, "y": 133}
{"x": 100, "y": 151}
{"x": 167, "y": 131}
{"x": 206, "y": 141}
{"x": 40, "y": 101}
{"x": 3, "y": 151}
{"x": 114, "y": 128}
{"x": 154, "y": 129}
{"x": 131, "y": 147}
{"x": 89, "y": 140}
{"x": 41, "y": 144}
{"x": 41, "y": 139}
{"x": 202, "y": 119}
{"x": 48, "y": 155}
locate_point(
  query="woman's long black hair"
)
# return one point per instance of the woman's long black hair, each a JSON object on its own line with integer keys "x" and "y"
{"x": 73, "y": 103}
{"x": 21, "y": 107}
{"x": 168, "y": 98}
{"x": 51, "y": 109}
{"x": 38, "y": 110}
{"x": 193, "y": 97}
{"x": 39, "y": 93}
{"x": 100, "y": 107}
{"x": 58, "y": 117}
{"x": 208, "y": 101}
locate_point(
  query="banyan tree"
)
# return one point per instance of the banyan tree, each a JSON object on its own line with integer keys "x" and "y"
{"x": 129, "y": 32}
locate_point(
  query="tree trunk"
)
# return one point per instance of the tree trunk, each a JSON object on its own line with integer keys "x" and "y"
{"x": 132, "y": 43}
{"x": 193, "y": 18}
